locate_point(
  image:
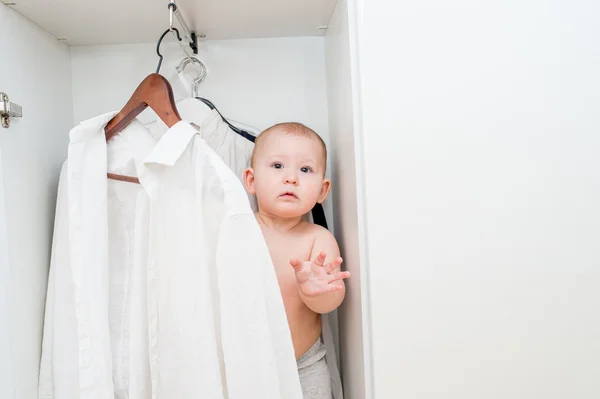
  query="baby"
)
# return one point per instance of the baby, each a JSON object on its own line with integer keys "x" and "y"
{"x": 287, "y": 175}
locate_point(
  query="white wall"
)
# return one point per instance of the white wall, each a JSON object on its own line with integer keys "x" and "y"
{"x": 258, "y": 82}
{"x": 7, "y": 388}
{"x": 347, "y": 193}
{"x": 481, "y": 124}
{"x": 35, "y": 72}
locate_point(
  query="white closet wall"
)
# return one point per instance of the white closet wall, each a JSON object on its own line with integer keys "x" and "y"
{"x": 7, "y": 389}
{"x": 258, "y": 82}
{"x": 348, "y": 194}
{"x": 482, "y": 124}
{"x": 35, "y": 72}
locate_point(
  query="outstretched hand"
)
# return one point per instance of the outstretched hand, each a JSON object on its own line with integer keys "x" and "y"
{"x": 316, "y": 278}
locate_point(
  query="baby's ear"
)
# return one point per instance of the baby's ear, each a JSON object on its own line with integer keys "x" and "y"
{"x": 325, "y": 187}
{"x": 249, "y": 181}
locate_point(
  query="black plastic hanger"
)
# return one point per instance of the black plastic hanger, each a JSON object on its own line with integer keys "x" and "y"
{"x": 239, "y": 131}
{"x": 160, "y": 60}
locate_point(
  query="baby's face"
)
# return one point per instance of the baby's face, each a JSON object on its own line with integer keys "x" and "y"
{"x": 289, "y": 175}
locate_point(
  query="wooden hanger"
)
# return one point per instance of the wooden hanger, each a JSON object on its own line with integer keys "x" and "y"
{"x": 155, "y": 92}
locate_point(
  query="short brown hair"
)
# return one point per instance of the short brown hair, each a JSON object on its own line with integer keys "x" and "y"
{"x": 293, "y": 128}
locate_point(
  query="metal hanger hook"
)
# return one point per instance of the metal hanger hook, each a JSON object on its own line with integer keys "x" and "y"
{"x": 172, "y": 8}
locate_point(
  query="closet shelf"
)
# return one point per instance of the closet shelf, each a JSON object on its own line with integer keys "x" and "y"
{"x": 138, "y": 21}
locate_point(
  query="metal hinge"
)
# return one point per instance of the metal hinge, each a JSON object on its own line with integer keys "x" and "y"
{"x": 8, "y": 110}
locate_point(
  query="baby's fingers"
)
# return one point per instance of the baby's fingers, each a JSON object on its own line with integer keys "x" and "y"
{"x": 320, "y": 260}
{"x": 339, "y": 276}
{"x": 331, "y": 266}
{"x": 296, "y": 264}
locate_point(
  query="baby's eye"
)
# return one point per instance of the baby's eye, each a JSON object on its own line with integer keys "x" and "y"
{"x": 305, "y": 169}
{"x": 277, "y": 165}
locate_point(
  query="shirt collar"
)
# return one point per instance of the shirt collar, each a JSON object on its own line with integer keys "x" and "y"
{"x": 172, "y": 144}
{"x": 166, "y": 152}
{"x": 90, "y": 127}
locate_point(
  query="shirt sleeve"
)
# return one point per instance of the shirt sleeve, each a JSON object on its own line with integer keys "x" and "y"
{"x": 59, "y": 376}
{"x": 257, "y": 347}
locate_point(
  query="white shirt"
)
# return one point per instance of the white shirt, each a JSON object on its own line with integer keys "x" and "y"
{"x": 164, "y": 289}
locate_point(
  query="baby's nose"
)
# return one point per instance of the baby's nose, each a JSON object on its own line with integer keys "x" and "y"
{"x": 291, "y": 178}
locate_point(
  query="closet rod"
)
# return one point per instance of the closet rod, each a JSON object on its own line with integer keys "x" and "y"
{"x": 187, "y": 33}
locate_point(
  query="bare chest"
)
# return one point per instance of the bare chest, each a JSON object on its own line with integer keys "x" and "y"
{"x": 284, "y": 248}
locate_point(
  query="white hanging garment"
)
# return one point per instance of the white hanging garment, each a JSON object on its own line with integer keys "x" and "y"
{"x": 6, "y": 357}
{"x": 188, "y": 75}
{"x": 236, "y": 152}
{"x": 163, "y": 289}
{"x": 250, "y": 129}
{"x": 233, "y": 149}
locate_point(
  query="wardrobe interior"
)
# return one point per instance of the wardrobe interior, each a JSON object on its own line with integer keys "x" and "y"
{"x": 467, "y": 131}
{"x": 267, "y": 62}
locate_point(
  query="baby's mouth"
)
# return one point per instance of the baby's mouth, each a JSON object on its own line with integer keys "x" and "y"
{"x": 288, "y": 195}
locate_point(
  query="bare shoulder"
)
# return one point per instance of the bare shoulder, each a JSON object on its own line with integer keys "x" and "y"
{"x": 324, "y": 241}
{"x": 317, "y": 232}
{"x": 321, "y": 232}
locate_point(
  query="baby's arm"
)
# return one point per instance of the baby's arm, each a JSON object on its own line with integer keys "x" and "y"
{"x": 320, "y": 282}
